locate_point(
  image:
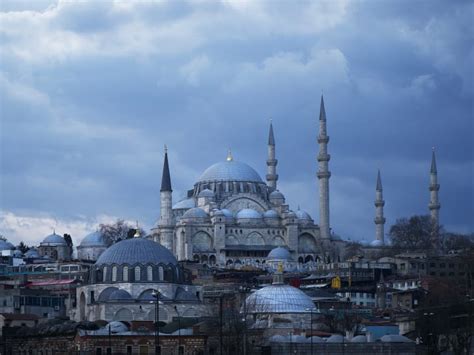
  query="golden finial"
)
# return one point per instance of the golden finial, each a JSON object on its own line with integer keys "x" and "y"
{"x": 229, "y": 155}
{"x": 137, "y": 232}
{"x": 166, "y": 149}
{"x": 280, "y": 267}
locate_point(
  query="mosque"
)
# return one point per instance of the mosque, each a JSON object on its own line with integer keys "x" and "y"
{"x": 232, "y": 217}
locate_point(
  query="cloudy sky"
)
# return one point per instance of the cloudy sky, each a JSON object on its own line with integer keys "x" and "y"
{"x": 91, "y": 91}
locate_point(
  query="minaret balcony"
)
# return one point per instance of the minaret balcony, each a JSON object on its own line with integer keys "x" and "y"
{"x": 271, "y": 177}
{"x": 434, "y": 187}
{"x": 379, "y": 220}
{"x": 324, "y": 157}
{"x": 434, "y": 206}
{"x": 324, "y": 174}
{"x": 379, "y": 203}
{"x": 272, "y": 162}
{"x": 323, "y": 139}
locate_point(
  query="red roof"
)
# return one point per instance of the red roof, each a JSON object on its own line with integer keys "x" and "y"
{"x": 51, "y": 282}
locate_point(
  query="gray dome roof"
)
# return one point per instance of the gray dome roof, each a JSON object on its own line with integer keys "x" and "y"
{"x": 116, "y": 327}
{"x": 230, "y": 171}
{"x": 206, "y": 193}
{"x": 359, "y": 339}
{"x": 276, "y": 194}
{"x": 271, "y": 214}
{"x": 17, "y": 253}
{"x": 279, "y": 299}
{"x": 53, "y": 239}
{"x": 227, "y": 213}
{"x": 185, "y": 204}
{"x": 5, "y": 245}
{"x": 335, "y": 338}
{"x": 303, "y": 215}
{"x": 94, "y": 239}
{"x": 376, "y": 243}
{"x": 136, "y": 251}
{"x": 119, "y": 295}
{"x": 248, "y": 213}
{"x": 195, "y": 212}
{"x": 32, "y": 253}
{"x": 279, "y": 253}
{"x": 183, "y": 295}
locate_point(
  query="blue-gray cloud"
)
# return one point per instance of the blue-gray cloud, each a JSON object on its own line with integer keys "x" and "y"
{"x": 91, "y": 92}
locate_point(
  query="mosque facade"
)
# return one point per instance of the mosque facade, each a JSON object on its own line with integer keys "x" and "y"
{"x": 233, "y": 217}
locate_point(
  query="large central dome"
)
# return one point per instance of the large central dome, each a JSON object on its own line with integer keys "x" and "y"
{"x": 230, "y": 170}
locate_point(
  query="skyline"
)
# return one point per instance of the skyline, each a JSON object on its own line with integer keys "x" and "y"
{"x": 88, "y": 107}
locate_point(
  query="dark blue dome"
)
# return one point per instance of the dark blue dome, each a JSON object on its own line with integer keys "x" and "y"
{"x": 136, "y": 251}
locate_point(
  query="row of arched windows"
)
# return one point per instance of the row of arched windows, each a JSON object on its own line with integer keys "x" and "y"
{"x": 138, "y": 273}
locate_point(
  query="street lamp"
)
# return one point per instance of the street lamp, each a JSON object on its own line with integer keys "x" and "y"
{"x": 244, "y": 290}
{"x": 156, "y": 295}
{"x": 311, "y": 310}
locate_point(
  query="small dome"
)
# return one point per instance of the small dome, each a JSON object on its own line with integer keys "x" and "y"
{"x": 227, "y": 213}
{"x": 32, "y": 253}
{"x": 183, "y": 295}
{"x": 248, "y": 213}
{"x": 335, "y": 338}
{"x": 271, "y": 214}
{"x": 195, "y": 212}
{"x": 279, "y": 299}
{"x": 279, "y": 253}
{"x": 376, "y": 243}
{"x": 185, "y": 204}
{"x": 17, "y": 253}
{"x": 359, "y": 339}
{"x": 116, "y": 327}
{"x": 276, "y": 197}
{"x": 94, "y": 239}
{"x": 53, "y": 240}
{"x": 119, "y": 295}
{"x": 230, "y": 170}
{"x": 217, "y": 212}
{"x": 5, "y": 245}
{"x": 136, "y": 251}
{"x": 395, "y": 338}
{"x": 303, "y": 215}
{"x": 206, "y": 193}
{"x": 290, "y": 214}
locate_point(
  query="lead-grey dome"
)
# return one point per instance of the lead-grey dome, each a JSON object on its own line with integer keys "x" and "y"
{"x": 206, "y": 193}
{"x": 184, "y": 204}
{"x": 303, "y": 215}
{"x": 279, "y": 299}
{"x": 195, "y": 212}
{"x": 248, "y": 213}
{"x": 230, "y": 170}
{"x": 279, "y": 253}
{"x": 53, "y": 240}
{"x": 5, "y": 245}
{"x": 119, "y": 295}
{"x": 271, "y": 214}
{"x": 94, "y": 239}
{"x": 136, "y": 251}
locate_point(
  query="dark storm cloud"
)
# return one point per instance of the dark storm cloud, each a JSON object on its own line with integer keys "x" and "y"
{"x": 91, "y": 92}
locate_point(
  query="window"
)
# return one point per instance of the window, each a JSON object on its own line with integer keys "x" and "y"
{"x": 137, "y": 273}
{"x": 114, "y": 273}
{"x": 149, "y": 273}
{"x": 129, "y": 350}
{"x": 442, "y": 265}
{"x": 451, "y": 266}
{"x": 181, "y": 350}
{"x": 92, "y": 297}
{"x": 104, "y": 274}
{"x": 402, "y": 266}
{"x": 125, "y": 273}
{"x": 98, "y": 351}
{"x": 432, "y": 264}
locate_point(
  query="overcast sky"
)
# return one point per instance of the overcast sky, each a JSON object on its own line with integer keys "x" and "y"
{"x": 90, "y": 93}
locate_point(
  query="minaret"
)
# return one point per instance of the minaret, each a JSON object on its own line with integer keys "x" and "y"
{"x": 272, "y": 176}
{"x": 379, "y": 218}
{"x": 323, "y": 174}
{"x": 434, "y": 204}
{"x": 166, "y": 213}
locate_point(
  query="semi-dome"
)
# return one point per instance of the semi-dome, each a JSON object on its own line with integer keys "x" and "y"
{"x": 230, "y": 170}
{"x": 185, "y": 204}
{"x": 195, "y": 212}
{"x": 206, "y": 193}
{"x": 32, "y": 253}
{"x": 116, "y": 327}
{"x": 5, "y": 245}
{"x": 376, "y": 243}
{"x": 136, "y": 251}
{"x": 248, "y": 213}
{"x": 227, "y": 213}
{"x": 276, "y": 197}
{"x": 279, "y": 253}
{"x": 94, "y": 239}
{"x": 303, "y": 215}
{"x": 53, "y": 240}
{"x": 279, "y": 298}
{"x": 119, "y": 295}
{"x": 359, "y": 339}
{"x": 17, "y": 253}
{"x": 271, "y": 214}
{"x": 335, "y": 338}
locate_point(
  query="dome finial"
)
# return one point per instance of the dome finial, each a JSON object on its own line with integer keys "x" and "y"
{"x": 137, "y": 232}
{"x": 166, "y": 149}
{"x": 229, "y": 155}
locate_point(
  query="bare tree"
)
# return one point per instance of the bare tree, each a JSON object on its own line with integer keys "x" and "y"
{"x": 413, "y": 233}
{"x": 118, "y": 231}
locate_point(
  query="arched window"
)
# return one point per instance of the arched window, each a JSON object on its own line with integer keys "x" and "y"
{"x": 125, "y": 273}
{"x": 137, "y": 273}
{"x": 114, "y": 273}
{"x": 149, "y": 273}
{"x": 160, "y": 273}
{"x": 104, "y": 274}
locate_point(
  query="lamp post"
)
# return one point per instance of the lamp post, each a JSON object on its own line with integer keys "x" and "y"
{"x": 179, "y": 328}
{"x": 156, "y": 295}
{"x": 243, "y": 291}
{"x": 109, "y": 350}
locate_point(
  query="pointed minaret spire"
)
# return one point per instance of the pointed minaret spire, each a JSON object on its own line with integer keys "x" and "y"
{"x": 379, "y": 218}
{"x": 229, "y": 155}
{"x": 166, "y": 178}
{"x": 272, "y": 162}
{"x": 434, "y": 204}
{"x": 323, "y": 174}
{"x": 165, "y": 224}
